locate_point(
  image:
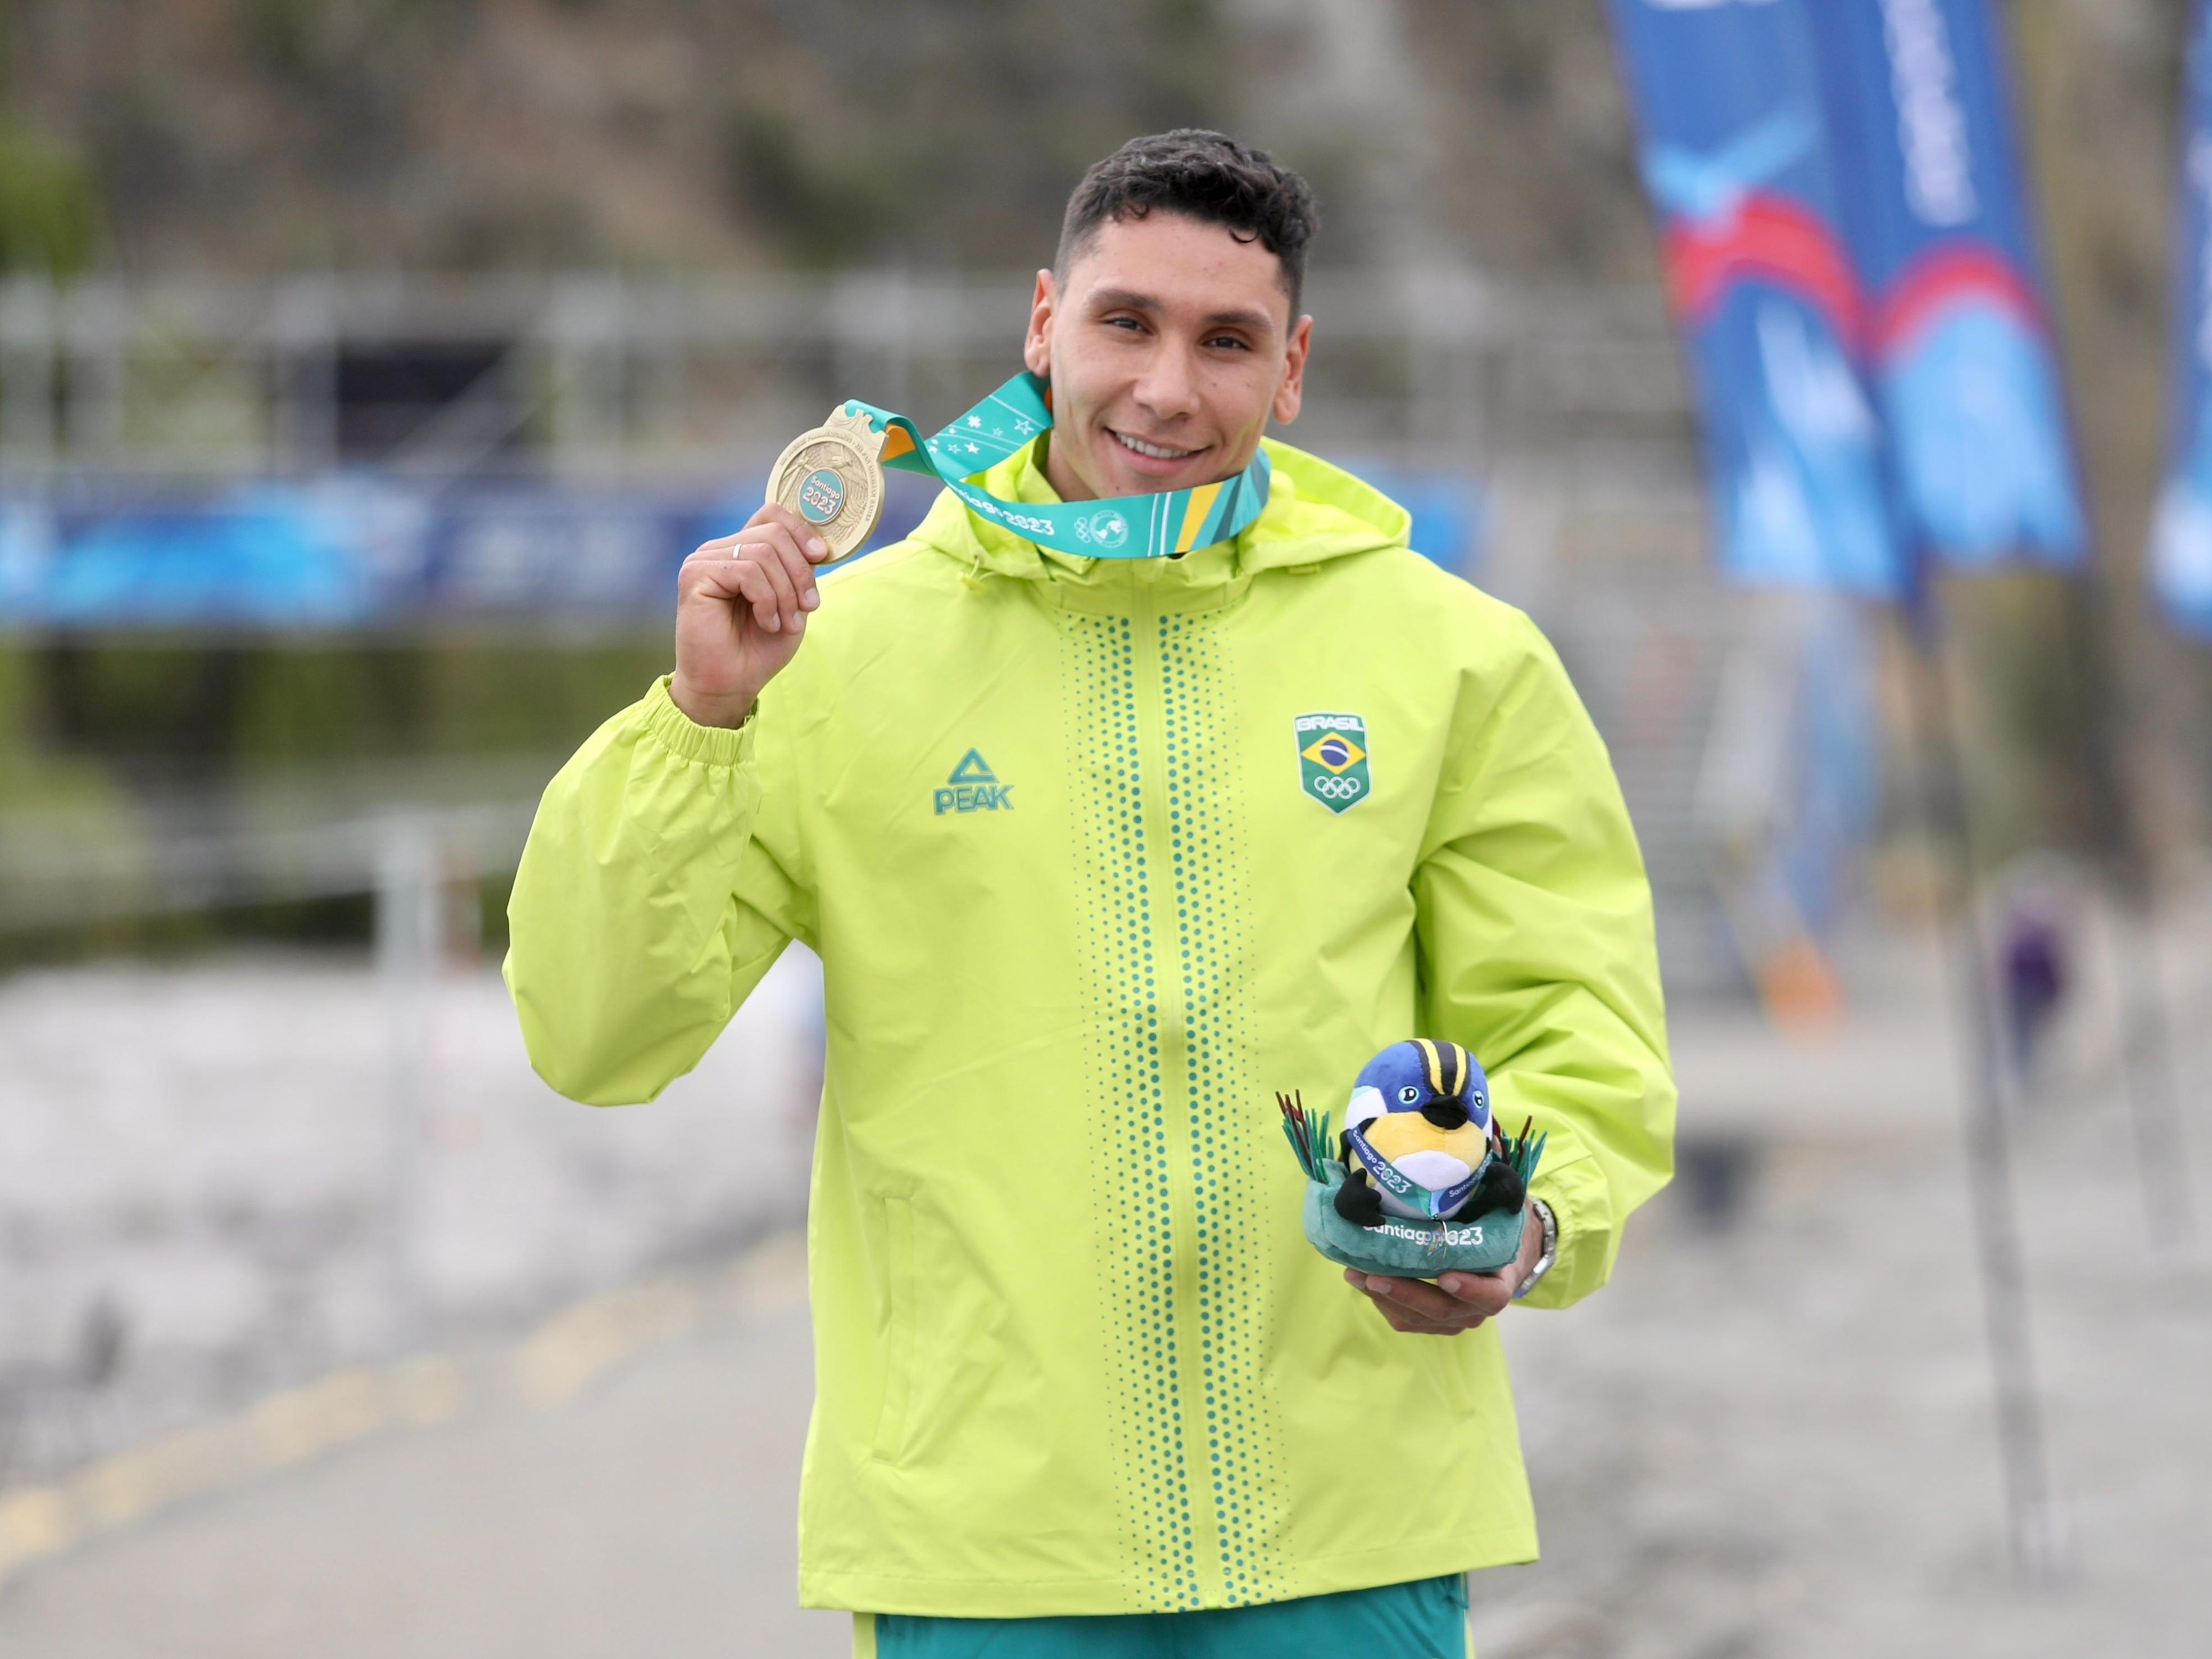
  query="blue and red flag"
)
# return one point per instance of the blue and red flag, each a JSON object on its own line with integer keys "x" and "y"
{"x": 1961, "y": 350}
{"x": 2180, "y": 560}
{"x": 1734, "y": 155}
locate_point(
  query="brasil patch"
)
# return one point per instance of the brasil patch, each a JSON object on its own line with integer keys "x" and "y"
{"x": 1333, "y": 759}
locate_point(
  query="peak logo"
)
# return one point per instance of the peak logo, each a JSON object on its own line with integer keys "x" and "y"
{"x": 973, "y": 788}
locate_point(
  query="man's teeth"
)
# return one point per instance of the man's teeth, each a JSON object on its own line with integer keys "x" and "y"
{"x": 1154, "y": 452}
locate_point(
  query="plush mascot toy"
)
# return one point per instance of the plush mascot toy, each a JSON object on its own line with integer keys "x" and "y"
{"x": 1422, "y": 1182}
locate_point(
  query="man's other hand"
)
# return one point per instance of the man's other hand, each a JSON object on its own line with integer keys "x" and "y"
{"x": 741, "y": 605}
{"x": 1457, "y": 1302}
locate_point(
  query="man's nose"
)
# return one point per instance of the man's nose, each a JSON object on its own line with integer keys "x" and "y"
{"x": 1169, "y": 388}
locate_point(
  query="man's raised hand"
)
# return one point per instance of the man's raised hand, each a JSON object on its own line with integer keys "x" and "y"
{"x": 741, "y": 605}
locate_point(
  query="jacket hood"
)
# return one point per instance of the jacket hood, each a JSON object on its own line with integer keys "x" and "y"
{"x": 1315, "y": 511}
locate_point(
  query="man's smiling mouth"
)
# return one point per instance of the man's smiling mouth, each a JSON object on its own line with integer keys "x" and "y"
{"x": 1150, "y": 452}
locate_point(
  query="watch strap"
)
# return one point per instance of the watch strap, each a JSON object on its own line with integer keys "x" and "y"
{"x": 1550, "y": 1224}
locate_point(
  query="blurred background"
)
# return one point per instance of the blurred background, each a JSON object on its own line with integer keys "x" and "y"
{"x": 367, "y": 367}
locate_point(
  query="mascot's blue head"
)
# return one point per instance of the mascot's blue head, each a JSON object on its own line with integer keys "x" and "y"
{"x": 1441, "y": 1081}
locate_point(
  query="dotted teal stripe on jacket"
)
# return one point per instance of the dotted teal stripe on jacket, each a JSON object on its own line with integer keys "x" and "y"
{"x": 1130, "y": 1122}
{"x": 1243, "y": 1476}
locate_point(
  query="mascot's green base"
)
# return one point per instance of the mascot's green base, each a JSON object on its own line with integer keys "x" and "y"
{"x": 1408, "y": 1250}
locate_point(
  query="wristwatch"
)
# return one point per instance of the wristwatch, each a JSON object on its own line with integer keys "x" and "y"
{"x": 1551, "y": 1226}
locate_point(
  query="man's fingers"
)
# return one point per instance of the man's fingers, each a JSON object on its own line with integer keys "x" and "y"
{"x": 775, "y": 547}
{"x": 765, "y": 557}
{"x": 1487, "y": 1293}
{"x": 1424, "y": 1301}
{"x": 1421, "y": 1308}
{"x": 1400, "y": 1320}
{"x": 1412, "y": 1306}
{"x": 717, "y": 567}
{"x": 757, "y": 585}
{"x": 804, "y": 538}
{"x": 773, "y": 535}
{"x": 757, "y": 573}
{"x": 714, "y": 566}
{"x": 797, "y": 568}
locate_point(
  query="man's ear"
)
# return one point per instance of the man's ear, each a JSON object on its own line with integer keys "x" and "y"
{"x": 1036, "y": 348}
{"x": 1291, "y": 395}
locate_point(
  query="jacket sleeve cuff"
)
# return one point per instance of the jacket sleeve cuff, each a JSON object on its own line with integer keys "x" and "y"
{"x": 1582, "y": 1204}
{"x": 685, "y": 738}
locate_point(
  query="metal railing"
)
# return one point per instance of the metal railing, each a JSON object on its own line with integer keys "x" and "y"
{"x": 1568, "y": 406}
{"x": 601, "y": 377}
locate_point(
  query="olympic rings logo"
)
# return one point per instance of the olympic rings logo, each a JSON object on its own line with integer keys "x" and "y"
{"x": 1339, "y": 788}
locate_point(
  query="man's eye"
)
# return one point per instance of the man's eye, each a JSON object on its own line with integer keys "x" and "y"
{"x": 1229, "y": 340}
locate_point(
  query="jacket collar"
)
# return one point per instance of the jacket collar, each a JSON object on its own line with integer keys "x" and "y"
{"x": 1315, "y": 511}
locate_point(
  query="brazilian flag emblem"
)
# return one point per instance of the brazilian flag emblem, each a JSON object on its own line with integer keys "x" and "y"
{"x": 1333, "y": 759}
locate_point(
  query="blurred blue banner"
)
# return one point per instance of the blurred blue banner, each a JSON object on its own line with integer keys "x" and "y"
{"x": 2180, "y": 556}
{"x": 1732, "y": 127}
{"x": 1449, "y": 525}
{"x": 1960, "y": 352}
{"x": 360, "y": 551}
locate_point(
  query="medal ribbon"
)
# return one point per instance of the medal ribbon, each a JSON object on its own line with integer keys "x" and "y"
{"x": 1123, "y": 527}
{"x": 1402, "y": 1186}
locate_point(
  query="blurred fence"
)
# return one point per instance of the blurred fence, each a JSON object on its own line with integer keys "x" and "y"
{"x": 346, "y": 454}
{"x": 603, "y": 379}
{"x": 355, "y": 454}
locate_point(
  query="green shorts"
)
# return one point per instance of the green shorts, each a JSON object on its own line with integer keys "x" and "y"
{"x": 1425, "y": 1619}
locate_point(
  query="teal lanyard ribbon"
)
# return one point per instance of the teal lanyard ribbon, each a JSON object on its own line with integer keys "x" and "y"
{"x": 1158, "y": 526}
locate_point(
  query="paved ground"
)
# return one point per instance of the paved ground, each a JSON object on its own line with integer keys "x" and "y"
{"x": 204, "y": 1182}
{"x": 1772, "y": 1436}
{"x": 649, "y": 1512}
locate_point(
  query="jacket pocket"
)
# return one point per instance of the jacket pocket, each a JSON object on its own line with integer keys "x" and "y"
{"x": 898, "y": 1331}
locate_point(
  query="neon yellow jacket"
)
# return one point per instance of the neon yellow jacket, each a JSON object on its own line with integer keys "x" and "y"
{"x": 1083, "y": 909}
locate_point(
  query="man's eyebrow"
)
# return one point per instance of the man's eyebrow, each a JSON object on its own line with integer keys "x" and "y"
{"x": 1123, "y": 298}
{"x": 1243, "y": 316}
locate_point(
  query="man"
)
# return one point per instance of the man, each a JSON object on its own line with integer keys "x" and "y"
{"x": 1085, "y": 904}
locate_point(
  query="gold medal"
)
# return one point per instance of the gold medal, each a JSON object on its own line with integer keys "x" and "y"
{"x": 830, "y": 478}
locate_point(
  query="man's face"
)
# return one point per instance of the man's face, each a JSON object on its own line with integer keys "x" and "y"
{"x": 1169, "y": 344}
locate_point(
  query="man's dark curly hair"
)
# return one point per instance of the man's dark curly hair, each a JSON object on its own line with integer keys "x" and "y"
{"x": 1202, "y": 175}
